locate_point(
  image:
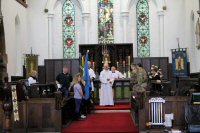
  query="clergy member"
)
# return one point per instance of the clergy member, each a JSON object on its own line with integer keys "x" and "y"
{"x": 106, "y": 96}
{"x": 115, "y": 74}
{"x": 91, "y": 74}
{"x": 86, "y": 105}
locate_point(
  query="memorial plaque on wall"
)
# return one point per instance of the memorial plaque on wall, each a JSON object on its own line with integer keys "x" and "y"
{"x": 31, "y": 61}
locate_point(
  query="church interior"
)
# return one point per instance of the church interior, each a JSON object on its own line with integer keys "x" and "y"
{"x": 100, "y": 66}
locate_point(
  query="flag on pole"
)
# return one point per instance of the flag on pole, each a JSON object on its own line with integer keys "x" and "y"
{"x": 86, "y": 77}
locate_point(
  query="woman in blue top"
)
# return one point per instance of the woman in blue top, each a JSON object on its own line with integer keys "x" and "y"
{"x": 78, "y": 95}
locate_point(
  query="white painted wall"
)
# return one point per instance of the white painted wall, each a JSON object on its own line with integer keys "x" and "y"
{"x": 37, "y": 29}
{"x": 190, "y": 25}
{"x": 10, "y": 9}
{"x": 174, "y": 25}
{"x": 34, "y": 32}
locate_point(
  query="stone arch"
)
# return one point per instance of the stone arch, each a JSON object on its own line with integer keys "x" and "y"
{"x": 134, "y": 2}
{"x": 51, "y": 4}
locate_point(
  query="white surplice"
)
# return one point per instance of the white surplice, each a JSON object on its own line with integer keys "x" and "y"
{"x": 106, "y": 95}
{"x": 116, "y": 75}
{"x": 92, "y": 75}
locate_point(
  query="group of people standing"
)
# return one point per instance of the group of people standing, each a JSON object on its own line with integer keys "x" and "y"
{"x": 82, "y": 105}
{"x": 65, "y": 81}
{"x": 140, "y": 78}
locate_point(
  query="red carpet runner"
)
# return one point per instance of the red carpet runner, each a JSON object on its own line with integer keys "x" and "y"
{"x": 116, "y": 107}
{"x": 103, "y": 122}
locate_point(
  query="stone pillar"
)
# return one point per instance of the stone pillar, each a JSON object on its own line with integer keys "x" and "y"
{"x": 50, "y": 37}
{"x": 124, "y": 16}
{"x": 85, "y": 21}
{"x": 3, "y": 55}
{"x": 161, "y": 33}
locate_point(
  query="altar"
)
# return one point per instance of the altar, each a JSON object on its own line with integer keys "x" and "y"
{"x": 120, "y": 55}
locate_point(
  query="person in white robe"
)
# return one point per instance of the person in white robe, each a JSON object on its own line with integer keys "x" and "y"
{"x": 116, "y": 74}
{"x": 91, "y": 74}
{"x": 106, "y": 96}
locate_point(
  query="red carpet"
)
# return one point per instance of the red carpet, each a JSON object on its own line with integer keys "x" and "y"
{"x": 103, "y": 122}
{"x": 116, "y": 107}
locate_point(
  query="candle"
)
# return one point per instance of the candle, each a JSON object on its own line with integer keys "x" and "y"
{"x": 129, "y": 60}
{"x": 129, "y": 74}
{"x": 82, "y": 61}
{"x": 117, "y": 64}
{"x": 124, "y": 63}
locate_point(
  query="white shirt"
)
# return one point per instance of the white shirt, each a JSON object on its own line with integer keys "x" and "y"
{"x": 92, "y": 75}
{"x": 116, "y": 75}
{"x": 31, "y": 80}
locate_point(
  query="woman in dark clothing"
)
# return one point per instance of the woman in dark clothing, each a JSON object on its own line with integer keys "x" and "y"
{"x": 155, "y": 80}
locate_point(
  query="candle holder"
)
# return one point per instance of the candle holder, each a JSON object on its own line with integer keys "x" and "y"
{"x": 105, "y": 53}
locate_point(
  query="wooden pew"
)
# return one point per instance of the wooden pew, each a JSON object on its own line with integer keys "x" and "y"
{"x": 1, "y": 117}
{"x": 36, "y": 115}
{"x": 174, "y": 104}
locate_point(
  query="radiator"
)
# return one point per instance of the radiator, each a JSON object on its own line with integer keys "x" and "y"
{"x": 156, "y": 111}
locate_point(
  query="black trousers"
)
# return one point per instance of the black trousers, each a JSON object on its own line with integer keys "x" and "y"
{"x": 85, "y": 106}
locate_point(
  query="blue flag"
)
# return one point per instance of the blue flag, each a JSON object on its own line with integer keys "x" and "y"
{"x": 86, "y": 78}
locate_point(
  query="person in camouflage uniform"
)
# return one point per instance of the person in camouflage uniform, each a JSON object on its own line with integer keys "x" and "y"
{"x": 142, "y": 76}
{"x": 139, "y": 78}
{"x": 139, "y": 82}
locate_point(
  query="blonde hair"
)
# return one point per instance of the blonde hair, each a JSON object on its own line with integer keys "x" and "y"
{"x": 75, "y": 80}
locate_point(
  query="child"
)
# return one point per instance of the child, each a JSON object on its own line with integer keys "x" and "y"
{"x": 78, "y": 95}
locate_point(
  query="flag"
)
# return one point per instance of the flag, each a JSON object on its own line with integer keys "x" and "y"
{"x": 86, "y": 78}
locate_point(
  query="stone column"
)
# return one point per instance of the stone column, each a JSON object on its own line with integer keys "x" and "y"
{"x": 85, "y": 21}
{"x": 124, "y": 16}
{"x": 50, "y": 37}
{"x": 161, "y": 15}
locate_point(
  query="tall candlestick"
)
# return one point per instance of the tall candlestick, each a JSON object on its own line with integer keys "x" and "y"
{"x": 93, "y": 65}
{"x": 129, "y": 60}
{"x": 124, "y": 63}
{"x": 82, "y": 60}
{"x": 117, "y": 64}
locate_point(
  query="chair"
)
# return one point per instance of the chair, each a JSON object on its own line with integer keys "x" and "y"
{"x": 156, "y": 111}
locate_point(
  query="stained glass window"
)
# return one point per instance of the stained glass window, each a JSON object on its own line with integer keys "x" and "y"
{"x": 105, "y": 21}
{"x": 69, "y": 50}
{"x": 143, "y": 37}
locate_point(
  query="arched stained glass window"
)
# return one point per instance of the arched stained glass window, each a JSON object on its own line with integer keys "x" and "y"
{"x": 143, "y": 37}
{"x": 69, "y": 50}
{"x": 105, "y": 21}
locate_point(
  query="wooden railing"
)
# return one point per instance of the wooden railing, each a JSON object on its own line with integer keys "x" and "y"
{"x": 121, "y": 89}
